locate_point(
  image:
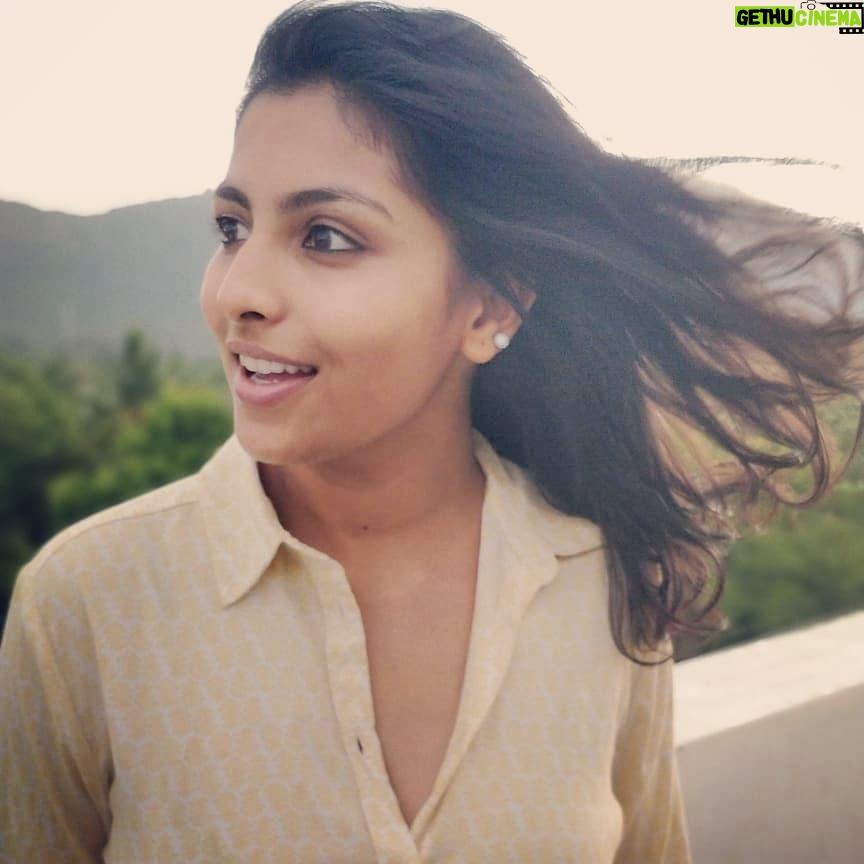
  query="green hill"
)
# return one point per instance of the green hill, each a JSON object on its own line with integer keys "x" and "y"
{"x": 74, "y": 282}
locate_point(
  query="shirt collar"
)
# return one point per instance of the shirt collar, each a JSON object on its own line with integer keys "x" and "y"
{"x": 245, "y": 534}
{"x": 242, "y": 527}
{"x": 524, "y": 516}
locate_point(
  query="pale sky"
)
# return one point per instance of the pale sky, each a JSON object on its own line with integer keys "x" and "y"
{"x": 109, "y": 102}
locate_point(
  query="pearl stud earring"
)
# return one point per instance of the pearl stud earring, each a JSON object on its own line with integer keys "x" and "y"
{"x": 500, "y": 341}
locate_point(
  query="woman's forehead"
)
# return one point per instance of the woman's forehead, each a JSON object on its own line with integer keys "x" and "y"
{"x": 312, "y": 128}
{"x": 314, "y": 136}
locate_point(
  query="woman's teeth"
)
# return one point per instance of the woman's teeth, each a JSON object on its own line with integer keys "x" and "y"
{"x": 255, "y": 365}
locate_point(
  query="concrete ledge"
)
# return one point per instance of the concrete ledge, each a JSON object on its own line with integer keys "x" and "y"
{"x": 770, "y": 742}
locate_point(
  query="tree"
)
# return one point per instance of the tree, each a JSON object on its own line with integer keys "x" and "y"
{"x": 169, "y": 437}
{"x": 138, "y": 372}
{"x": 808, "y": 566}
{"x": 67, "y": 451}
{"x": 40, "y": 435}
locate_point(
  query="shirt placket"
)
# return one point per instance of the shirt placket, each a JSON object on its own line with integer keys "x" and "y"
{"x": 350, "y": 687}
{"x": 509, "y": 575}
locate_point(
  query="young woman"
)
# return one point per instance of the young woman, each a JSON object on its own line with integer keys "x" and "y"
{"x": 417, "y": 609}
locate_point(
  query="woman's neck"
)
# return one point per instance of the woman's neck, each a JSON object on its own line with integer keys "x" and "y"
{"x": 381, "y": 492}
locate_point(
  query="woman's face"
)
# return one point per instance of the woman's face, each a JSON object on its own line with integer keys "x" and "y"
{"x": 342, "y": 316}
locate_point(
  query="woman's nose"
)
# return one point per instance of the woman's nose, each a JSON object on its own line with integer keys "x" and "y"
{"x": 252, "y": 287}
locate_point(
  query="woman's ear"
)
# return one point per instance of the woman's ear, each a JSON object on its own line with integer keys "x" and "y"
{"x": 497, "y": 321}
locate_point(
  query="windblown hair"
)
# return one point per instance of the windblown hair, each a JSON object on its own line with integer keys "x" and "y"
{"x": 661, "y": 307}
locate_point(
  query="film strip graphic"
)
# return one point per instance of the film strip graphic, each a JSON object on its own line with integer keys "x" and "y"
{"x": 840, "y": 6}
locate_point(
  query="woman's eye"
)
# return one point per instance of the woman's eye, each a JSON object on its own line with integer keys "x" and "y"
{"x": 323, "y": 238}
{"x": 230, "y": 230}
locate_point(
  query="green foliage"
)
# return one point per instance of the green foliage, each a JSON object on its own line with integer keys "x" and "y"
{"x": 78, "y": 437}
{"x": 842, "y": 418}
{"x": 171, "y": 436}
{"x": 806, "y": 567}
{"x": 40, "y": 435}
{"x": 138, "y": 371}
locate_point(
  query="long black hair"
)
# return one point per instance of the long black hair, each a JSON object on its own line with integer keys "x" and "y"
{"x": 660, "y": 311}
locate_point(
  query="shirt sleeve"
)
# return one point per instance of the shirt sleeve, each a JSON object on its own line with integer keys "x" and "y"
{"x": 54, "y": 754}
{"x": 645, "y": 774}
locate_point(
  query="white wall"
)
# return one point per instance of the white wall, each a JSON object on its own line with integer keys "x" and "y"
{"x": 770, "y": 742}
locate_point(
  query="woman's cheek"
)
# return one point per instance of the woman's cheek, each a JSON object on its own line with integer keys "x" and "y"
{"x": 209, "y": 291}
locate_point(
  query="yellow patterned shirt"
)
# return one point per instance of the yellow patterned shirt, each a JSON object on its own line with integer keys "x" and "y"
{"x": 183, "y": 681}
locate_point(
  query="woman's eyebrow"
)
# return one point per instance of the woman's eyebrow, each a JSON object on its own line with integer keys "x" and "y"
{"x": 304, "y": 198}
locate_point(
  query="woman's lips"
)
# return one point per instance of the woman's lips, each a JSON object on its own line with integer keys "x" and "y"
{"x": 265, "y": 388}
{"x": 261, "y": 366}
{"x": 252, "y": 353}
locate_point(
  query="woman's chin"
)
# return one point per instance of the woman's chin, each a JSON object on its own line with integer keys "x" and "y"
{"x": 268, "y": 445}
